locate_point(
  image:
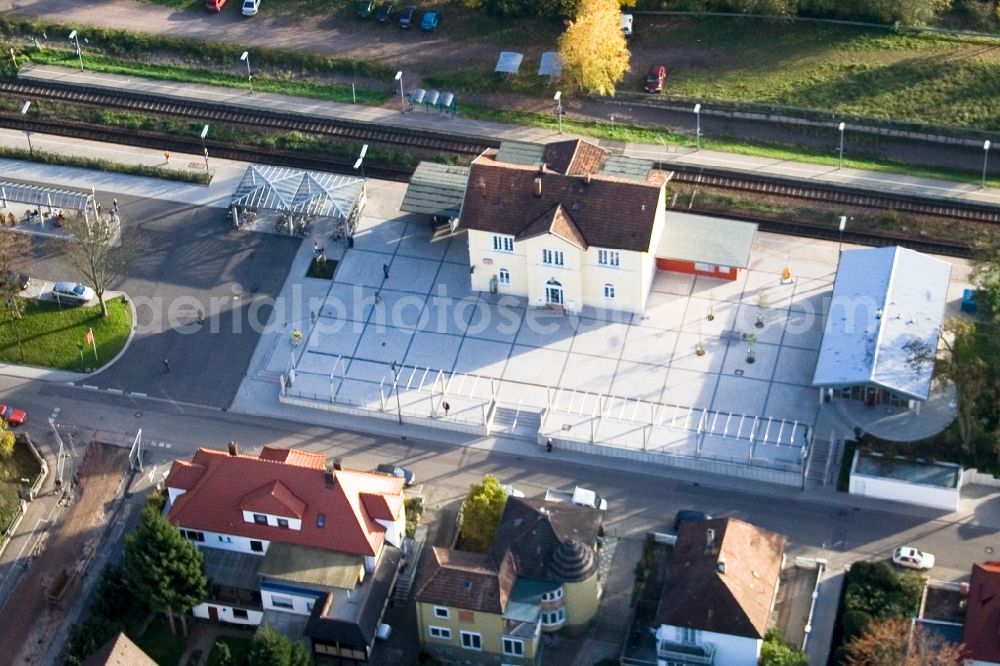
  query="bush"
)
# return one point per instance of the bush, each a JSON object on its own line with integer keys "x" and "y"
{"x": 6, "y": 442}
{"x": 854, "y": 623}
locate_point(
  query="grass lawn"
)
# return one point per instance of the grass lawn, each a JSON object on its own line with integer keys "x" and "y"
{"x": 239, "y": 648}
{"x": 162, "y": 646}
{"x": 49, "y": 335}
{"x": 21, "y": 465}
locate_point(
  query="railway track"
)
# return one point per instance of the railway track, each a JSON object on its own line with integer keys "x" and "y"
{"x": 436, "y": 142}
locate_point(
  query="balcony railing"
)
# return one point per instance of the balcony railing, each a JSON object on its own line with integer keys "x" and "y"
{"x": 686, "y": 653}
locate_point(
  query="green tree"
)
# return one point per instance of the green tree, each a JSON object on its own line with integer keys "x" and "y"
{"x": 7, "y": 441}
{"x": 776, "y": 652}
{"x": 271, "y": 648}
{"x": 481, "y": 514}
{"x": 594, "y": 54}
{"x": 877, "y": 589}
{"x": 164, "y": 568}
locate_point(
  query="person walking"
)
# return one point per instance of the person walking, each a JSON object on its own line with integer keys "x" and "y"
{"x": 385, "y": 270}
{"x": 166, "y": 365}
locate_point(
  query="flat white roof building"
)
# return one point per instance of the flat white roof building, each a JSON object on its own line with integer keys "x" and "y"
{"x": 886, "y": 312}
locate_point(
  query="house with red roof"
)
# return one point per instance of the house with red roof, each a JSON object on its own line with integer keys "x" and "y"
{"x": 981, "y": 634}
{"x": 292, "y": 543}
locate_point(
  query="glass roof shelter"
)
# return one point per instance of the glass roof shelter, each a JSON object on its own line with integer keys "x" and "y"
{"x": 44, "y": 202}
{"x": 289, "y": 201}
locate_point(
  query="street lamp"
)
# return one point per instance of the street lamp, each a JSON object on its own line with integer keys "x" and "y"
{"x": 360, "y": 163}
{"x": 986, "y": 157}
{"x": 559, "y": 108}
{"x": 840, "y": 243}
{"x": 24, "y": 115}
{"x": 840, "y": 150}
{"x": 697, "y": 126}
{"x": 399, "y": 77}
{"x": 246, "y": 58}
{"x": 204, "y": 149}
{"x": 79, "y": 53}
{"x": 395, "y": 389}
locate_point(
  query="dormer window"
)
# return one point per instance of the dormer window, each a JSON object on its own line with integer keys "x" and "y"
{"x": 260, "y": 519}
{"x": 283, "y": 523}
{"x": 321, "y": 520}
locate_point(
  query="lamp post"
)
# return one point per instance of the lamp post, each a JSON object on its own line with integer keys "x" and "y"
{"x": 399, "y": 77}
{"x": 559, "y": 108}
{"x": 24, "y": 115}
{"x": 697, "y": 126}
{"x": 840, "y": 243}
{"x": 76, "y": 40}
{"x": 395, "y": 389}
{"x": 246, "y": 58}
{"x": 360, "y": 163}
{"x": 840, "y": 150}
{"x": 204, "y": 149}
{"x": 986, "y": 158}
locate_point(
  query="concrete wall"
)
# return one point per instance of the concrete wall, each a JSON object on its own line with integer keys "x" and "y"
{"x": 901, "y": 491}
{"x": 225, "y": 614}
{"x": 729, "y": 650}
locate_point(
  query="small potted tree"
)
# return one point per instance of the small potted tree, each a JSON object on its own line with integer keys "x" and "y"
{"x": 763, "y": 303}
{"x": 751, "y": 354}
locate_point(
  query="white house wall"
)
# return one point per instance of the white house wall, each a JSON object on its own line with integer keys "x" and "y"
{"x": 272, "y": 520}
{"x": 230, "y": 542}
{"x": 901, "y": 491}
{"x": 729, "y": 650}
{"x": 173, "y": 494}
{"x": 225, "y": 613}
{"x": 569, "y": 275}
{"x": 395, "y": 530}
{"x": 301, "y": 604}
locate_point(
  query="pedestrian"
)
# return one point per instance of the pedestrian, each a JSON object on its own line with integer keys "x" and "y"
{"x": 378, "y": 297}
{"x": 316, "y": 248}
{"x": 385, "y": 270}
{"x": 114, "y": 205}
{"x": 166, "y": 365}
{"x": 166, "y": 156}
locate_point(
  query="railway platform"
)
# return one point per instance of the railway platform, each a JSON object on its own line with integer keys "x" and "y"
{"x": 396, "y": 114}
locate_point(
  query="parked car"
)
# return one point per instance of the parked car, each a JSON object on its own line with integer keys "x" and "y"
{"x": 250, "y": 7}
{"x": 627, "y": 25}
{"x": 214, "y": 5}
{"x": 685, "y": 515}
{"x": 656, "y": 78}
{"x": 18, "y": 281}
{"x": 429, "y": 22}
{"x": 911, "y": 558}
{"x": 366, "y": 8}
{"x": 385, "y": 12}
{"x": 72, "y": 292}
{"x": 395, "y": 470}
{"x": 13, "y": 417}
{"x": 406, "y": 16}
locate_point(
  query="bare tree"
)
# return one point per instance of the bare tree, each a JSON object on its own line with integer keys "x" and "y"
{"x": 99, "y": 251}
{"x": 898, "y": 642}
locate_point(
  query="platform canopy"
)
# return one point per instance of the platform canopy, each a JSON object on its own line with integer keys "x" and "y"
{"x": 706, "y": 240}
{"x": 35, "y": 195}
{"x": 884, "y": 321}
{"x": 509, "y": 62}
{"x": 281, "y": 189}
{"x": 551, "y": 64}
{"x": 436, "y": 189}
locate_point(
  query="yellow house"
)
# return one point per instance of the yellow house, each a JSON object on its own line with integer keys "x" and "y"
{"x": 540, "y": 576}
{"x": 566, "y": 225}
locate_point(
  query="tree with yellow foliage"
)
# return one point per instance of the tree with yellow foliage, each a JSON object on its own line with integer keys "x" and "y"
{"x": 593, "y": 49}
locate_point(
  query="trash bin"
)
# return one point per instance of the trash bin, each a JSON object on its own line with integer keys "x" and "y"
{"x": 969, "y": 301}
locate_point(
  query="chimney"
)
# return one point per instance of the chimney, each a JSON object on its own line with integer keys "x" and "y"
{"x": 234, "y": 448}
{"x": 337, "y": 464}
{"x": 586, "y": 178}
{"x": 538, "y": 187}
{"x": 541, "y": 167}
{"x": 709, "y": 539}
{"x": 328, "y": 477}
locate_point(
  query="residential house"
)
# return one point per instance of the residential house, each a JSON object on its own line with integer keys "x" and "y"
{"x": 718, "y": 594}
{"x": 289, "y": 542}
{"x": 565, "y": 225}
{"x": 882, "y": 327}
{"x": 541, "y": 575}
{"x": 981, "y": 634}
{"x": 119, "y": 651}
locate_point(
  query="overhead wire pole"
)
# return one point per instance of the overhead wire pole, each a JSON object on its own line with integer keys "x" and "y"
{"x": 246, "y": 58}
{"x": 24, "y": 115}
{"x": 840, "y": 150}
{"x": 79, "y": 54}
{"x": 399, "y": 77}
{"x": 559, "y": 108}
{"x": 986, "y": 157}
{"x": 204, "y": 148}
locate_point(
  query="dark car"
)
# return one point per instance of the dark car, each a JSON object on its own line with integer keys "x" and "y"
{"x": 685, "y": 515}
{"x": 406, "y": 16}
{"x": 395, "y": 470}
{"x": 385, "y": 12}
{"x": 656, "y": 78}
{"x": 429, "y": 22}
{"x": 366, "y": 8}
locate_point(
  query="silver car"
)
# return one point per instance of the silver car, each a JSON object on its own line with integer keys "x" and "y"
{"x": 72, "y": 292}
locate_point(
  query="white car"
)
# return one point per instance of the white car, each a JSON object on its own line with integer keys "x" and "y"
{"x": 72, "y": 292}
{"x": 911, "y": 558}
{"x": 250, "y": 7}
{"x": 511, "y": 491}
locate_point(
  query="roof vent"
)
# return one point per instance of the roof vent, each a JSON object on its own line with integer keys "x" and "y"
{"x": 709, "y": 538}
{"x": 234, "y": 448}
{"x": 541, "y": 168}
{"x": 337, "y": 464}
{"x": 721, "y": 566}
{"x": 576, "y": 205}
{"x": 538, "y": 187}
{"x": 467, "y": 585}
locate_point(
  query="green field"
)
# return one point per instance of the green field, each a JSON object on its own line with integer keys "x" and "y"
{"x": 21, "y": 465}
{"x": 49, "y": 335}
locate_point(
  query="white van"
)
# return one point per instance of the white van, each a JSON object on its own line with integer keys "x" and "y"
{"x": 627, "y": 25}
{"x": 250, "y": 7}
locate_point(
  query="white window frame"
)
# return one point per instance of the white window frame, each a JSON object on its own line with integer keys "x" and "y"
{"x": 502, "y": 243}
{"x": 553, "y": 595}
{"x": 290, "y": 604}
{"x": 513, "y": 647}
{"x": 705, "y": 268}
{"x": 553, "y": 257}
{"x": 552, "y": 618}
{"x": 503, "y": 276}
{"x": 442, "y": 612}
{"x": 688, "y": 635}
{"x": 470, "y": 637}
{"x": 444, "y": 633}
{"x": 609, "y": 291}
{"x": 609, "y": 258}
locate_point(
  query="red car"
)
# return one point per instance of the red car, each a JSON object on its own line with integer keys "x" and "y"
{"x": 13, "y": 417}
{"x": 656, "y": 78}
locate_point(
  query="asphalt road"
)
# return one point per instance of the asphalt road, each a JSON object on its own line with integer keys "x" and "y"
{"x": 201, "y": 291}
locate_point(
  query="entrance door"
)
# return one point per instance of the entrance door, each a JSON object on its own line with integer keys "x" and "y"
{"x": 213, "y": 613}
{"x": 553, "y": 293}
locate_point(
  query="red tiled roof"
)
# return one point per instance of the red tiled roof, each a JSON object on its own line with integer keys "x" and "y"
{"x": 981, "y": 634}
{"x": 574, "y": 157}
{"x": 184, "y": 475}
{"x": 274, "y": 498}
{"x": 214, "y": 502}
{"x": 119, "y": 651}
{"x": 294, "y": 457}
{"x": 607, "y": 211}
{"x": 382, "y": 507}
{"x": 558, "y": 222}
{"x": 462, "y": 579}
{"x": 722, "y": 581}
